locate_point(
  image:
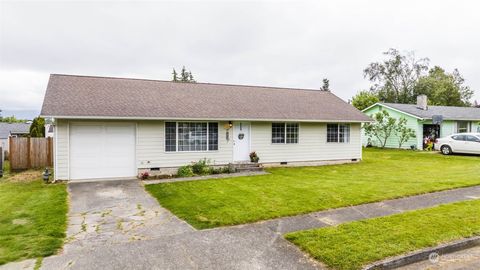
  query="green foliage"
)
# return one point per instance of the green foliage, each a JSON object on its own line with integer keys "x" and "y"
{"x": 201, "y": 167}
{"x": 364, "y": 99}
{"x": 443, "y": 88}
{"x": 175, "y": 76}
{"x": 254, "y": 157}
{"x": 11, "y": 119}
{"x": 403, "y": 132}
{"x": 352, "y": 245}
{"x": 221, "y": 170}
{"x": 401, "y": 78}
{"x": 185, "y": 76}
{"x": 37, "y": 129}
{"x": 185, "y": 171}
{"x": 286, "y": 191}
{"x": 42, "y": 211}
{"x": 326, "y": 85}
{"x": 383, "y": 127}
{"x": 394, "y": 79}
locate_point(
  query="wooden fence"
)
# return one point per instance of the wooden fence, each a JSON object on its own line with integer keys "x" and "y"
{"x": 28, "y": 153}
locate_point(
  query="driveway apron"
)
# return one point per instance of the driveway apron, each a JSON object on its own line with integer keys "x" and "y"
{"x": 110, "y": 212}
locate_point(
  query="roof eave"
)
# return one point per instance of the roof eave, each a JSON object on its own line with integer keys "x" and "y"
{"x": 87, "y": 117}
{"x": 392, "y": 108}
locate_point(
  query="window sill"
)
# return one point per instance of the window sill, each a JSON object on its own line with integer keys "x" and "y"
{"x": 177, "y": 152}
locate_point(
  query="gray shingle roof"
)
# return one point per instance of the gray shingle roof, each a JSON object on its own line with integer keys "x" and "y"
{"x": 101, "y": 97}
{"x": 448, "y": 112}
{"x": 7, "y": 128}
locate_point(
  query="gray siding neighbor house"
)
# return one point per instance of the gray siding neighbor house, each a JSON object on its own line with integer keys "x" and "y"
{"x": 118, "y": 127}
{"x": 8, "y": 130}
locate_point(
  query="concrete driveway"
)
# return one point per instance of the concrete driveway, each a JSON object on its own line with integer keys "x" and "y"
{"x": 118, "y": 225}
{"x": 112, "y": 212}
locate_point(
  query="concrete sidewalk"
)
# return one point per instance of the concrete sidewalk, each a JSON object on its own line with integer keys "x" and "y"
{"x": 370, "y": 210}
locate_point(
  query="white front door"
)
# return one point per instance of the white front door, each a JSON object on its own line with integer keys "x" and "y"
{"x": 102, "y": 150}
{"x": 241, "y": 141}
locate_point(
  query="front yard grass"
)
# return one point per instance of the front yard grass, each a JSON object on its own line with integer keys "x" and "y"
{"x": 383, "y": 174}
{"x": 33, "y": 217}
{"x": 353, "y": 245}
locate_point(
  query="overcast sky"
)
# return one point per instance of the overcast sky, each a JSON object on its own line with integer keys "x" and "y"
{"x": 289, "y": 44}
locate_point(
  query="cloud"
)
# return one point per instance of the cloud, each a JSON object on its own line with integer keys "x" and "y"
{"x": 292, "y": 44}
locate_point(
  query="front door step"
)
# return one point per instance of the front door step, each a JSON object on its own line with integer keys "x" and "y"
{"x": 245, "y": 167}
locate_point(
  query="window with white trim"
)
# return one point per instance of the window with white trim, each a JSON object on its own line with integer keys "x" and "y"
{"x": 284, "y": 133}
{"x": 191, "y": 136}
{"x": 338, "y": 133}
{"x": 463, "y": 126}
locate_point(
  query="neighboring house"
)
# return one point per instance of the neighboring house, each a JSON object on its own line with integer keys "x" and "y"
{"x": 8, "y": 130}
{"x": 420, "y": 117}
{"x": 118, "y": 127}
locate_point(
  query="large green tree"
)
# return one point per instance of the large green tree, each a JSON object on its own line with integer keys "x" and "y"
{"x": 394, "y": 79}
{"x": 37, "y": 128}
{"x": 444, "y": 88}
{"x": 364, "y": 99}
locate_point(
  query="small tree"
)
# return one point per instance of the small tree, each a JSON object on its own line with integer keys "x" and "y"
{"x": 326, "y": 85}
{"x": 37, "y": 128}
{"x": 383, "y": 127}
{"x": 364, "y": 99}
{"x": 190, "y": 77}
{"x": 185, "y": 76}
{"x": 175, "y": 76}
{"x": 403, "y": 132}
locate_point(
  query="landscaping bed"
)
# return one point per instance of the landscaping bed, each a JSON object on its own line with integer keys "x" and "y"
{"x": 355, "y": 244}
{"x": 381, "y": 175}
{"x": 33, "y": 220}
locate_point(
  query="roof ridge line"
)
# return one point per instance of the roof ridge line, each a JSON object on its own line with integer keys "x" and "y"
{"x": 206, "y": 83}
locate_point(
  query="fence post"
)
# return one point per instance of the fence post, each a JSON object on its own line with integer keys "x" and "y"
{"x": 29, "y": 155}
{"x": 10, "y": 142}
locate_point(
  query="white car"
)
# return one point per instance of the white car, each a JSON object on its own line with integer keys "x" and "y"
{"x": 459, "y": 143}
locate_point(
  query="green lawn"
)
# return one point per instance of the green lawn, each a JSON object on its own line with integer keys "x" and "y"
{"x": 353, "y": 245}
{"x": 383, "y": 174}
{"x": 33, "y": 218}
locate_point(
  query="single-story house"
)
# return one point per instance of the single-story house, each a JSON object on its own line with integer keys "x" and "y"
{"x": 8, "y": 130}
{"x": 119, "y": 127}
{"x": 427, "y": 121}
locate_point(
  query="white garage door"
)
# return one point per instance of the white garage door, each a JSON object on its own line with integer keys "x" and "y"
{"x": 102, "y": 151}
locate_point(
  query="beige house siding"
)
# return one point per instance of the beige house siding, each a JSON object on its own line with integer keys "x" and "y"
{"x": 312, "y": 144}
{"x": 61, "y": 145}
{"x": 150, "y": 146}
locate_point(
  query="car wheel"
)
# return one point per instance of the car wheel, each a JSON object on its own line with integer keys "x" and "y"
{"x": 446, "y": 150}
